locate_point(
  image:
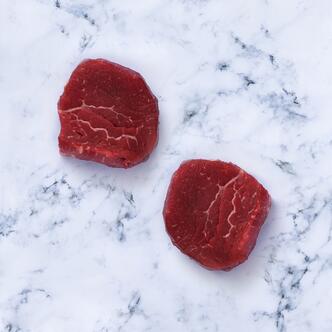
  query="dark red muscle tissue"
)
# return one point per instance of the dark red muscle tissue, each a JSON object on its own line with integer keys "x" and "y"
{"x": 213, "y": 212}
{"x": 108, "y": 114}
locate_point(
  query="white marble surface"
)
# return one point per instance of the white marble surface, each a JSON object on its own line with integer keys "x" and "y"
{"x": 83, "y": 247}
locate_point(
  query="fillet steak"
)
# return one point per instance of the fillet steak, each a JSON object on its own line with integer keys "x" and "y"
{"x": 108, "y": 115}
{"x": 213, "y": 212}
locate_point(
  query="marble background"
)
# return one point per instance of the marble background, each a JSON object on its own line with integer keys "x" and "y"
{"x": 83, "y": 247}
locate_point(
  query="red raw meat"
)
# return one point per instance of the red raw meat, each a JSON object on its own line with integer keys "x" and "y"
{"x": 108, "y": 114}
{"x": 213, "y": 212}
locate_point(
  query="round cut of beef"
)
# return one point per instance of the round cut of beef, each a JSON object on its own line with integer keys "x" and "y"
{"x": 214, "y": 211}
{"x": 108, "y": 115}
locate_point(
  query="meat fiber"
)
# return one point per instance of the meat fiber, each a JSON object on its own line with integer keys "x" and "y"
{"x": 214, "y": 211}
{"x": 108, "y": 115}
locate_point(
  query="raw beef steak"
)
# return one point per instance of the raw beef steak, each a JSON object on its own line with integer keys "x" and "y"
{"x": 108, "y": 114}
{"x": 213, "y": 212}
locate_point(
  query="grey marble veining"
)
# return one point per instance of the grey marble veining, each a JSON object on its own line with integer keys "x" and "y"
{"x": 83, "y": 247}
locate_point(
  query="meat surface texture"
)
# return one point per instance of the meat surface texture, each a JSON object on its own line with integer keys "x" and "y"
{"x": 214, "y": 211}
{"x": 108, "y": 115}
